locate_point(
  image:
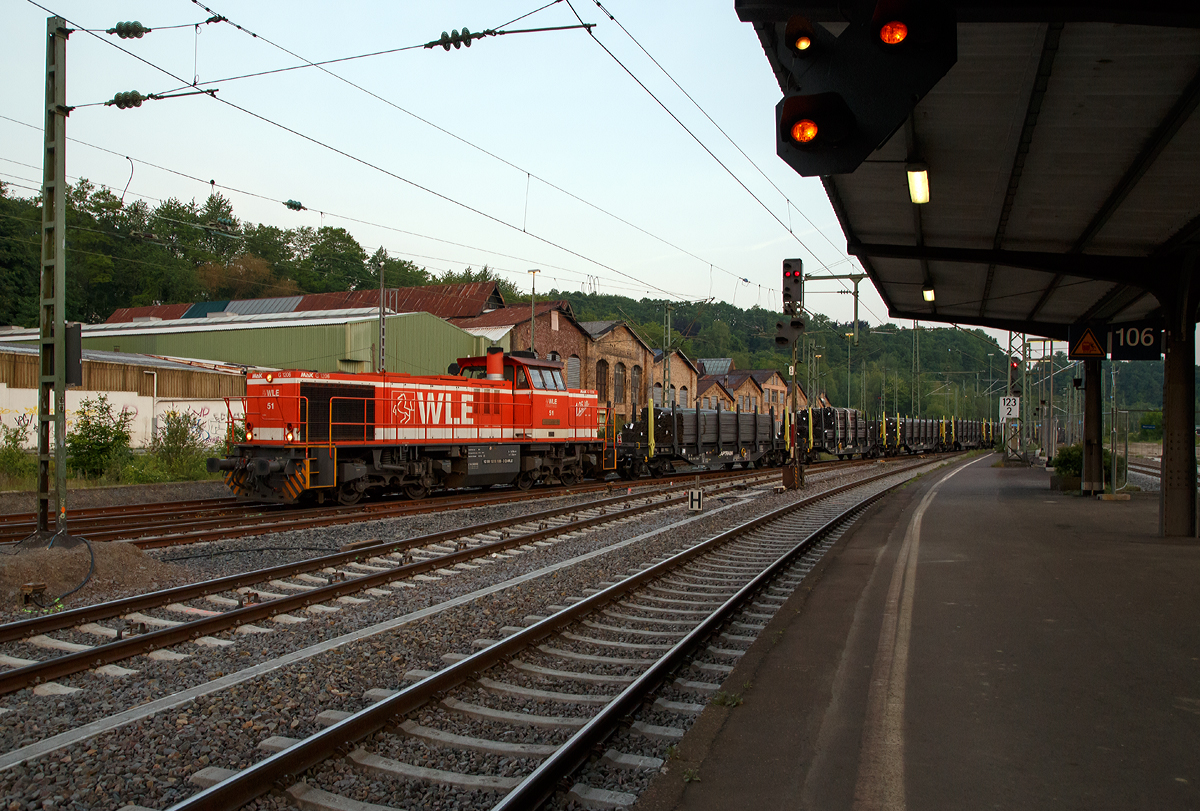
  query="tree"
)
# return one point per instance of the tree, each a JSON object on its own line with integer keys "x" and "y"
{"x": 330, "y": 260}
{"x": 243, "y": 276}
{"x": 20, "y": 226}
{"x": 397, "y": 272}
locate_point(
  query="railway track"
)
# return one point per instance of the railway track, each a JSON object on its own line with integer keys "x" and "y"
{"x": 1146, "y": 469}
{"x": 143, "y": 734}
{"x": 154, "y": 526}
{"x": 662, "y": 638}
{"x": 196, "y": 613}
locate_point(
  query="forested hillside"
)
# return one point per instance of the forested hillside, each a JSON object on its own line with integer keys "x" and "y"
{"x": 126, "y": 255}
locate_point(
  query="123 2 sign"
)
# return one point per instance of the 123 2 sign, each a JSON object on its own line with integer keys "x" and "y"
{"x": 1140, "y": 341}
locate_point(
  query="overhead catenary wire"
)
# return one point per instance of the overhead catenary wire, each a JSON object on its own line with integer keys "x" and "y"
{"x": 370, "y": 165}
{"x": 552, "y": 244}
{"x": 788, "y": 201}
{"x": 696, "y": 138}
{"x": 720, "y": 129}
{"x": 471, "y": 144}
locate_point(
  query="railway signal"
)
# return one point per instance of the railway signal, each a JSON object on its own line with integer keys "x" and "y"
{"x": 788, "y": 330}
{"x": 853, "y": 90}
{"x": 793, "y": 282}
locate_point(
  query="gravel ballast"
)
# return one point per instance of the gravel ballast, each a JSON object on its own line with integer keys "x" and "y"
{"x": 147, "y": 762}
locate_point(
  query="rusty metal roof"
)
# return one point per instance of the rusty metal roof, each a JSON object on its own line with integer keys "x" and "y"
{"x": 443, "y": 300}
{"x": 515, "y": 315}
{"x": 167, "y": 312}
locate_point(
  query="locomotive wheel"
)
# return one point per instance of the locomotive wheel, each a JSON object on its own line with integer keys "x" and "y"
{"x": 525, "y": 481}
{"x": 348, "y": 495}
{"x": 569, "y": 477}
{"x": 415, "y": 490}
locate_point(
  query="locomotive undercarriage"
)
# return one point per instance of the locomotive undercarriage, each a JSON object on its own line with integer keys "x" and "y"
{"x": 287, "y": 474}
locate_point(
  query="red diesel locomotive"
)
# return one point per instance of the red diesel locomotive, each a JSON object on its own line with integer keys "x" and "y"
{"x": 507, "y": 418}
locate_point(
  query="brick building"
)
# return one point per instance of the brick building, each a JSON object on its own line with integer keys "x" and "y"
{"x": 558, "y": 336}
{"x": 684, "y": 376}
{"x": 712, "y": 394}
{"x": 774, "y": 389}
{"x": 620, "y": 368}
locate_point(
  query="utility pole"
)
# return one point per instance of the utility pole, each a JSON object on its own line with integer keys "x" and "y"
{"x": 533, "y": 309}
{"x": 381, "y": 366}
{"x": 666, "y": 356}
{"x": 52, "y": 356}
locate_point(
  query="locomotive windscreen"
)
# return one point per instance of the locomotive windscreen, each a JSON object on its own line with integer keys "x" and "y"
{"x": 352, "y": 407}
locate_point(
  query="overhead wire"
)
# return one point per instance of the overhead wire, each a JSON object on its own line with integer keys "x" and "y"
{"x": 219, "y": 18}
{"x": 477, "y": 147}
{"x": 369, "y": 164}
{"x": 256, "y": 195}
{"x": 788, "y": 201}
{"x": 721, "y": 130}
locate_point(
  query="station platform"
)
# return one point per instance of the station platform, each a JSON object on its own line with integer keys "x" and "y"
{"x": 976, "y": 641}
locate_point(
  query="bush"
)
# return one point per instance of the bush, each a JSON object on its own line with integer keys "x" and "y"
{"x": 15, "y": 463}
{"x": 1069, "y": 462}
{"x": 99, "y": 442}
{"x": 179, "y": 447}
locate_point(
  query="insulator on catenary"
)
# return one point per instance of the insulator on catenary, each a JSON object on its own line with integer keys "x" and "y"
{"x": 129, "y": 30}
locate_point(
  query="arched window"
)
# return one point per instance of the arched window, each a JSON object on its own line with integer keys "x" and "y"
{"x": 573, "y": 372}
{"x": 683, "y": 394}
{"x": 657, "y": 394}
{"x": 636, "y": 387}
{"x": 674, "y": 396}
{"x": 619, "y": 383}
{"x": 602, "y": 380}
{"x": 554, "y": 356}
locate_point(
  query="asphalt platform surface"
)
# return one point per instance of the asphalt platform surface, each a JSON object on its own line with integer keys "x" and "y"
{"x": 977, "y": 641}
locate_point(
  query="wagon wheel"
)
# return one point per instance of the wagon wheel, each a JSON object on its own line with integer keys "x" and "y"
{"x": 628, "y": 471}
{"x": 348, "y": 494}
{"x": 415, "y": 490}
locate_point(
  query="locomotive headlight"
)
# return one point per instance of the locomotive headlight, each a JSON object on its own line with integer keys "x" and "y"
{"x": 249, "y": 431}
{"x": 290, "y": 434}
{"x": 270, "y": 377}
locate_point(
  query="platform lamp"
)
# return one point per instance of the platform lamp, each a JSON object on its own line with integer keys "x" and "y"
{"x": 533, "y": 309}
{"x": 918, "y": 182}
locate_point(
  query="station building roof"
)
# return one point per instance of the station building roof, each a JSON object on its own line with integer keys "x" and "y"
{"x": 1063, "y": 155}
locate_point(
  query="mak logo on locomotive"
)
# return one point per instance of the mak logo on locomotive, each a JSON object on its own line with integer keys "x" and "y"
{"x": 433, "y": 408}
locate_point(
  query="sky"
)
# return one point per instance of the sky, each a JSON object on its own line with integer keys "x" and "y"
{"x": 588, "y": 178}
{"x": 569, "y": 152}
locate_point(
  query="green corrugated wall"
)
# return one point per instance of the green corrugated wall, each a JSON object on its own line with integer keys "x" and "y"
{"x": 417, "y": 343}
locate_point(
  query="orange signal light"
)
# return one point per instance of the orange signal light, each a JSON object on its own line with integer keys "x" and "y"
{"x": 893, "y": 33}
{"x": 804, "y": 131}
{"x": 803, "y": 43}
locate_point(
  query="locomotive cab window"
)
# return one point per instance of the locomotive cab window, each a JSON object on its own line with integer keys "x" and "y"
{"x": 521, "y": 381}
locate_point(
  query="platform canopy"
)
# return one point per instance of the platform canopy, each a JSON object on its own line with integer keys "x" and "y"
{"x": 1063, "y": 155}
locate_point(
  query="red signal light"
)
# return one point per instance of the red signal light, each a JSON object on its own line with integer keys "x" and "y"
{"x": 804, "y": 131}
{"x": 893, "y": 33}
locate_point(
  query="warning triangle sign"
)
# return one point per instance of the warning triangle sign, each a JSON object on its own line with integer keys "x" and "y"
{"x": 1087, "y": 346}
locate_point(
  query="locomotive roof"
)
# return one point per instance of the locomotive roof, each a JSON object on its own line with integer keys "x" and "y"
{"x": 541, "y": 363}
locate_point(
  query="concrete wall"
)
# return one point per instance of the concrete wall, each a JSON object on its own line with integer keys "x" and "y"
{"x": 21, "y": 404}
